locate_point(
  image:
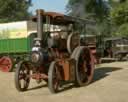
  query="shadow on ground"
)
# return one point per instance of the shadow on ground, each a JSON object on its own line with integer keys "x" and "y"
{"x": 99, "y": 73}
{"x": 65, "y": 87}
{"x": 103, "y": 72}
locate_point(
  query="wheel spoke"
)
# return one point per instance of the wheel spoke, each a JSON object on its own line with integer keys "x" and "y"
{"x": 21, "y": 77}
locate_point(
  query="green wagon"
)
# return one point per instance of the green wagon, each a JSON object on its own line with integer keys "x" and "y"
{"x": 15, "y": 43}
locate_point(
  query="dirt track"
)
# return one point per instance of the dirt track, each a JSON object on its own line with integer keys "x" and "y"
{"x": 110, "y": 84}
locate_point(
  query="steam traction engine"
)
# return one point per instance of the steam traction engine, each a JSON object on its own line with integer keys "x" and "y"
{"x": 56, "y": 56}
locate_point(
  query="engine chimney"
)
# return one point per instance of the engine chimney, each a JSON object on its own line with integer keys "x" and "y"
{"x": 39, "y": 13}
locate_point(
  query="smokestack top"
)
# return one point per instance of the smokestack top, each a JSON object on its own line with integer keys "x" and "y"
{"x": 40, "y": 11}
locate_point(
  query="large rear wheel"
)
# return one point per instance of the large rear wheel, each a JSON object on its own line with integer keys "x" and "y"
{"x": 84, "y": 65}
{"x": 22, "y": 76}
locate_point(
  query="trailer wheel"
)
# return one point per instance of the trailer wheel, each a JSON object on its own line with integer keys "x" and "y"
{"x": 6, "y": 64}
{"x": 53, "y": 77}
{"x": 22, "y": 76}
{"x": 84, "y": 65}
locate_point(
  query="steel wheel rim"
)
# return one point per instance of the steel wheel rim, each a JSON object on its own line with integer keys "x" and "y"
{"x": 84, "y": 67}
{"x": 55, "y": 78}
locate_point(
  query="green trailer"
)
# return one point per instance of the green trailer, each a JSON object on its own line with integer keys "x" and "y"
{"x": 16, "y": 40}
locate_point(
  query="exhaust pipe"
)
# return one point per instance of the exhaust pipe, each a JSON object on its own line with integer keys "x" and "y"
{"x": 39, "y": 14}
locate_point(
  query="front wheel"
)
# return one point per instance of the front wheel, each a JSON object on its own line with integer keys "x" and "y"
{"x": 53, "y": 77}
{"x": 22, "y": 76}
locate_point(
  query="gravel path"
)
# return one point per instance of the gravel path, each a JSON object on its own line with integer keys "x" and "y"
{"x": 110, "y": 84}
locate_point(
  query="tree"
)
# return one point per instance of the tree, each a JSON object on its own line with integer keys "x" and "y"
{"x": 119, "y": 14}
{"x": 14, "y": 10}
{"x": 111, "y": 15}
{"x": 119, "y": 18}
{"x": 83, "y": 8}
{"x": 123, "y": 30}
{"x": 97, "y": 10}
